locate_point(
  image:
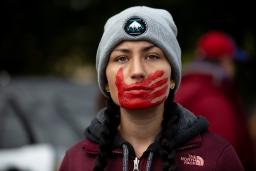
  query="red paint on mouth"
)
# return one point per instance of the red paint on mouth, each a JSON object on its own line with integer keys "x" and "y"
{"x": 141, "y": 94}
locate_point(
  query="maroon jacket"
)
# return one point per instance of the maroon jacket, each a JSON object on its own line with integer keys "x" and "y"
{"x": 205, "y": 90}
{"x": 197, "y": 150}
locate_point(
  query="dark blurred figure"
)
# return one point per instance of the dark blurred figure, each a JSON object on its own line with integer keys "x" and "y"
{"x": 208, "y": 89}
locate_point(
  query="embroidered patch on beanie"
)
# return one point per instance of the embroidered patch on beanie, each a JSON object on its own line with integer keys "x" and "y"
{"x": 135, "y": 26}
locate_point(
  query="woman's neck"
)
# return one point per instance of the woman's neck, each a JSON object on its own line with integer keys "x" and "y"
{"x": 140, "y": 127}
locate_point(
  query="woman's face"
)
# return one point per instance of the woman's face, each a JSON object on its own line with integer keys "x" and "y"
{"x": 138, "y": 75}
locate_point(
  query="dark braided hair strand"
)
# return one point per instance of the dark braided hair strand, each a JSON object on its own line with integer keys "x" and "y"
{"x": 110, "y": 125}
{"x": 167, "y": 144}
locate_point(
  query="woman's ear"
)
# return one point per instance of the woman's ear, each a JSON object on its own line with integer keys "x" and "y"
{"x": 107, "y": 88}
{"x": 172, "y": 84}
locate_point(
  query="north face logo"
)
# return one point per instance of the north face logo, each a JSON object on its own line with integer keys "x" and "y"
{"x": 135, "y": 26}
{"x": 193, "y": 160}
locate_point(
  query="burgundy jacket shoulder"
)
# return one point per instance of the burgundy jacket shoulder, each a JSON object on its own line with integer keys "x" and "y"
{"x": 212, "y": 152}
{"x": 77, "y": 158}
{"x": 206, "y": 152}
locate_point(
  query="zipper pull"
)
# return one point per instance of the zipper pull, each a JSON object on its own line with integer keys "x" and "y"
{"x": 136, "y": 164}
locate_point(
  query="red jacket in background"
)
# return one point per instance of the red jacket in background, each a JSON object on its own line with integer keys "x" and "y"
{"x": 206, "y": 91}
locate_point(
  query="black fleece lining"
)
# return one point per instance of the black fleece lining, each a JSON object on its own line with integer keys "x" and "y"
{"x": 189, "y": 126}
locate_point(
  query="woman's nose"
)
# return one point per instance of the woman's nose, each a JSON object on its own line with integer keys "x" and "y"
{"x": 137, "y": 70}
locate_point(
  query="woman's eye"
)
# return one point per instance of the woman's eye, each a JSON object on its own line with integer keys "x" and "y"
{"x": 152, "y": 57}
{"x": 122, "y": 59}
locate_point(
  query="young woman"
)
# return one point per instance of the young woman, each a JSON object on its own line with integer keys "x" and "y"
{"x": 142, "y": 128}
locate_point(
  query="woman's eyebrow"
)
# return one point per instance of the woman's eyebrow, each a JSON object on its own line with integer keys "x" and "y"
{"x": 147, "y": 48}
{"x": 126, "y": 50}
{"x": 121, "y": 50}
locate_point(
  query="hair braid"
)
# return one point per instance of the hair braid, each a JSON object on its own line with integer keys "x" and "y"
{"x": 110, "y": 125}
{"x": 167, "y": 145}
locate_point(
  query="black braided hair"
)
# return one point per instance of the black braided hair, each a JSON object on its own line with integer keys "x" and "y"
{"x": 167, "y": 145}
{"x": 110, "y": 125}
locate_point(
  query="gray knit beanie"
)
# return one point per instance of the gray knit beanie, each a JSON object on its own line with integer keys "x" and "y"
{"x": 139, "y": 23}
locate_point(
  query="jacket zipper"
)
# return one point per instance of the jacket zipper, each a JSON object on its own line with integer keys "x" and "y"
{"x": 136, "y": 164}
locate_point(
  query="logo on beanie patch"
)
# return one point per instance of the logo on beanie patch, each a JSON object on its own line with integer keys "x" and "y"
{"x": 135, "y": 26}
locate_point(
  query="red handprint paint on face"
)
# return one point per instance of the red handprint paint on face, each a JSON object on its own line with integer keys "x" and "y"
{"x": 141, "y": 94}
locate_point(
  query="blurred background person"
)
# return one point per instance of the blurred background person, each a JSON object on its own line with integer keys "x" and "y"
{"x": 208, "y": 89}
